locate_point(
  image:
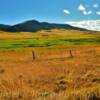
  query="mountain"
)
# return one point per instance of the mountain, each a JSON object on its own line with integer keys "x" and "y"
{"x": 93, "y": 25}
{"x": 33, "y": 26}
{"x": 4, "y": 27}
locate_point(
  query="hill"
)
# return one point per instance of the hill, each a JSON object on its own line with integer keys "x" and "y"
{"x": 33, "y": 26}
{"x": 4, "y": 27}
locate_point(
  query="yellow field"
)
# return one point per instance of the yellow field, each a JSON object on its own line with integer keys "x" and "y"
{"x": 53, "y": 74}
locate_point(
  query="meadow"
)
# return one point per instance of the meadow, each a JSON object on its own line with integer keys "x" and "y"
{"x": 50, "y": 65}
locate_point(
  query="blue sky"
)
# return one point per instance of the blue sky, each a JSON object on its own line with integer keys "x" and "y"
{"x": 58, "y": 11}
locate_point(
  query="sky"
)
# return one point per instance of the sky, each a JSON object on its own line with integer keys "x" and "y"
{"x": 54, "y": 11}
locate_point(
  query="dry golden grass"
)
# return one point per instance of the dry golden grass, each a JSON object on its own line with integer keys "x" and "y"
{"x": 54, "y": 74}
{"x": 42, "y": 34}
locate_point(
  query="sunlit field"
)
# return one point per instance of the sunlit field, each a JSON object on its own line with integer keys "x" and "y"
{"x": 50, "y": 65}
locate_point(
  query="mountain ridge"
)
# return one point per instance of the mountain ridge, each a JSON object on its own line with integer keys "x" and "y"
{"x": 34, "y": 26}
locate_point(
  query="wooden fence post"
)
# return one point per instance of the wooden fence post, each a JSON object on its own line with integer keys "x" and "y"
{"x": 33, "y": 55}
{"x": 71, "y": 54}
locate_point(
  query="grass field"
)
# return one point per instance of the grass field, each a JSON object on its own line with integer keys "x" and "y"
{"x": 65, "y": 65}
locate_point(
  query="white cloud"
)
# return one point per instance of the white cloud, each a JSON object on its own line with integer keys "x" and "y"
{"x": 81, "y": 7}
{"x": 87, "y": 12}
{"x": 95, "y": 5}
{"x": 66, "y": 12}
{"x": 98, "y": 12}
{"x": 84, "y": 12}
{"x": 86, "y": 24}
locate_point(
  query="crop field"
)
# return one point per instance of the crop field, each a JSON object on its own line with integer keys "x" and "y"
{"x": 50, "y": 65}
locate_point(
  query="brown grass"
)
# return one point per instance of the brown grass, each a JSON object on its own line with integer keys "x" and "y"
{"x": 53, "y": 75}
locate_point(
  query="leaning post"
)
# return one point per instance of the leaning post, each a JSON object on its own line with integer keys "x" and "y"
{"x": 71, "y": 54}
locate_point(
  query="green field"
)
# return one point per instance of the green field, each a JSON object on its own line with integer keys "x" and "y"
{"x": 47, "y": 42}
